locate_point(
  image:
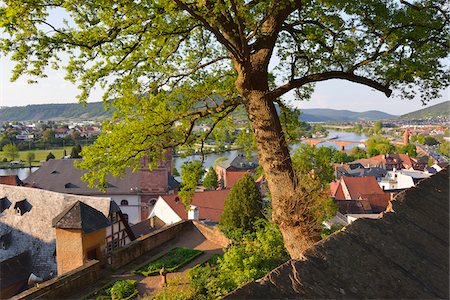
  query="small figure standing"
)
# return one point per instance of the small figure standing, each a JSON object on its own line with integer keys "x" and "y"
{"x": 163, "y": 272}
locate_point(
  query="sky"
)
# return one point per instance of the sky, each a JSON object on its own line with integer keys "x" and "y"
{"x": 334, "y": 94}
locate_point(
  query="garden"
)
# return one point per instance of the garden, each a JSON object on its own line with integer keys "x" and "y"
{"x": 171, "y": 261}
{"x": 121, "y": 289}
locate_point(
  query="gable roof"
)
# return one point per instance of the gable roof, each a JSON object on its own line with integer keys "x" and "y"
{"x": 404, "y": 254}
{"x": 60, "y": 175}
{"x": 240, "y": 162}
{"x": 210, "y": 204}
{"x": 81, "y": 216}
{"x": 358, "y": 186}
{"x": 33, "y": 230}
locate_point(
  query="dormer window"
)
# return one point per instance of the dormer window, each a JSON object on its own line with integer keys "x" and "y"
{"x": 22, "y": 207}
{"x": 54, "y": 172}
{"x": 124, "y": 202}
{"x": 5, "y": 240}
{"x": 4, "y": 204}
{"x": 70, "y": 185}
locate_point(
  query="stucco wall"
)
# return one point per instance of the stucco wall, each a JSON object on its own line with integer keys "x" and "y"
{"x": 164, "y": 212}
{"x": 133, "y": 209}
{"x": 212, "y": 233}
{"x": 69, "y": 249}
{"x": 96, "y": 239}
{"x": 138, "y": 247}
{"x": 67, "y": 284}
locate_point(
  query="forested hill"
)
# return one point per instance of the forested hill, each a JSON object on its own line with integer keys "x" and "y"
{"x": 334, "y": 115}
{"x": 437, "y": 110}
{"x": 95, "y": 111}
{"x": 92, "y": 111}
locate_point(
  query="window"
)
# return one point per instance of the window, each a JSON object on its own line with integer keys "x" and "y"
{"x": 125, "y": 218}
{"x": 124, "y": 202}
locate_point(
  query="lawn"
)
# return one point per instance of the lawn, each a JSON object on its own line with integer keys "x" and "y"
{"x": 171, "y": 261}
{"x": 121, "y": 289}
{"x": 40, "y": 155}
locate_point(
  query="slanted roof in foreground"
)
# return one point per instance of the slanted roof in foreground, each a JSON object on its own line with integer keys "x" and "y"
{"x": 405, "y": 254}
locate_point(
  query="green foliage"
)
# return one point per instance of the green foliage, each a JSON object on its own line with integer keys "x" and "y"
{"x": 50, "y": 156}
{"x": 66, "y": 111}
{"x": 175, "y": 172}
{"x": 377, "y": 126}
{"x": 437, "y": 110}
{"x": 246, "y": 140}
{"x": 251, "y": 258}
{"x": 211, "y": 180}
{"x": 444, "y": 148}
{"x": 171, "y": 261}
{"x": 48, "y": 135}
{"x": 123, "y": 289}
{"x": 242, "y": 207}
{"x": 319, "y": 159}
{"x": 379, "y": 145}
{"x": 357, "y": 128}
{"x": 430, "y": 141}
{"x": 30, "y": 156}
{"x": 408, "y": 149}
{"x": 191, "y": 173}
{"x": 76, "y": 151}
{"x": 11, "y": 151}
{"x": 328, "y": 231}
{"x": 358, "y": 153}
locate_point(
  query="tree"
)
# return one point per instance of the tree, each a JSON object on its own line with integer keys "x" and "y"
{"x": 408, "y": 149}
{"x": 76, "y": 151}
{"x": 444, "y": 148}
{"x": 30, "y": 156}
{"x": 243, "y": 206}
{"x": 11, "y": 151}
{"x": 318, "y": 159}
{"x": 358, "y": 153}
{"x": 430, "y": 141}
{"x": 246, "y": 140}
{"x": 48, "y": 135}
{"x": 167, "y": 65}
{"x": 191, "y": 173}
{"x": 50, "y": 156}
{"x": 211, "y": 180}
{"x": 377, "y": 127}
{"x": 379, "y": 145}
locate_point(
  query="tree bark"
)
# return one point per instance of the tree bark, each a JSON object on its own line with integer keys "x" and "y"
{"x": 289, "y": 200}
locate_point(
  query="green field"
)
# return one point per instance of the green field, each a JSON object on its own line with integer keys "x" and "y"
{"x": 40, "y": 155}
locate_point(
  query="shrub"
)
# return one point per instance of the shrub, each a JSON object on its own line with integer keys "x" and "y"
{"x": 123, "y": 289}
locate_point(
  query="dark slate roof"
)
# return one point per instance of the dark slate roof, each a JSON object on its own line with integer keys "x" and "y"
{"x": 405, "y": 254}
{"x": 240, "y": 162}
{"x": 173, "y": 183}
{"x": 14, "y": 273}
{"x": 81, "y": 216}
{"x": 60, "y": 175}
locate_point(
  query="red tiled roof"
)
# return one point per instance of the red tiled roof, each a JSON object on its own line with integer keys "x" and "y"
{"x": 233, "y": 176}
{"x": 334, "y": 187}
{"x": 11, "y": 180}
{"x": 209, "y": 204}
{"x": 358, "y": 206}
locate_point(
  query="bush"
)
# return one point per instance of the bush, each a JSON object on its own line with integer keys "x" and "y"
{"x": 123, "y": 289}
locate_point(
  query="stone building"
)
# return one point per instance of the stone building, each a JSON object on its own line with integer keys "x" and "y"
{"x": 34, "y": 220}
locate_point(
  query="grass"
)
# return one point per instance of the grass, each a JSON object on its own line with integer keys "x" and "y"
{"x": 171, "y": 261}
{"x": 40, "y": 155}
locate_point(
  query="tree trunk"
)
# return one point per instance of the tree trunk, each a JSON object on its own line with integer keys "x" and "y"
{"x": 289, "y": 201}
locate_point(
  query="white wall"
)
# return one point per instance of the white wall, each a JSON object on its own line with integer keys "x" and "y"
{"x": 133, "y": 210}
{"x": 163, "y": 211}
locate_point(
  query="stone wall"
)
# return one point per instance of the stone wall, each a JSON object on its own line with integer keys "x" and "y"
{"x": 146, "y": 243}
{"x": 67, "y": 284}
{"x": 213, "y": 234}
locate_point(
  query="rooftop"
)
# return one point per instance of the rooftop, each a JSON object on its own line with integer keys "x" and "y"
{"x": 402, "y": 255}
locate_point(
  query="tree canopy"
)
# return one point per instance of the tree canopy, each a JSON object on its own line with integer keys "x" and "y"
{"x": 167, "y": 65}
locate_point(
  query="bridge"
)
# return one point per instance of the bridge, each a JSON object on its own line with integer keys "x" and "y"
{"x": 340, "y": 143}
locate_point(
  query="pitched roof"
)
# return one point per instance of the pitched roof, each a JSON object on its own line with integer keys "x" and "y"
{"x": 358, "y": 186}
{"x": 60, "y": 175}
{"x": 33, "y": 230}
{"x": 11, "y": 180}
{"x": 404, "y": 254}
{"x": 209, "y": 204}
{"x": 354, "y": 206}
{"x": 234, "y": 176}
{"x": 240, "y": 162}
{"x": 14, "y": 273}
{"x": 81, "y": 216}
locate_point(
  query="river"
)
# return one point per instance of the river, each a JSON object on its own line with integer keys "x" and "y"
{"x": 210, "y": 158}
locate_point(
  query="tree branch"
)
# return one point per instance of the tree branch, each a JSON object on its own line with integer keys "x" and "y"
{"x": 296, "y": 83}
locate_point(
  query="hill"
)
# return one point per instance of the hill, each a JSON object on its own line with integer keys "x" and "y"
{"x": 45, "y": 112}
{"x": 334, "y": 115}
{"x": 437, "y": 110}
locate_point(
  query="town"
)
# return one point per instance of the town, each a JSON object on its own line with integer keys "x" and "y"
{"x": 173, "y": 149}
